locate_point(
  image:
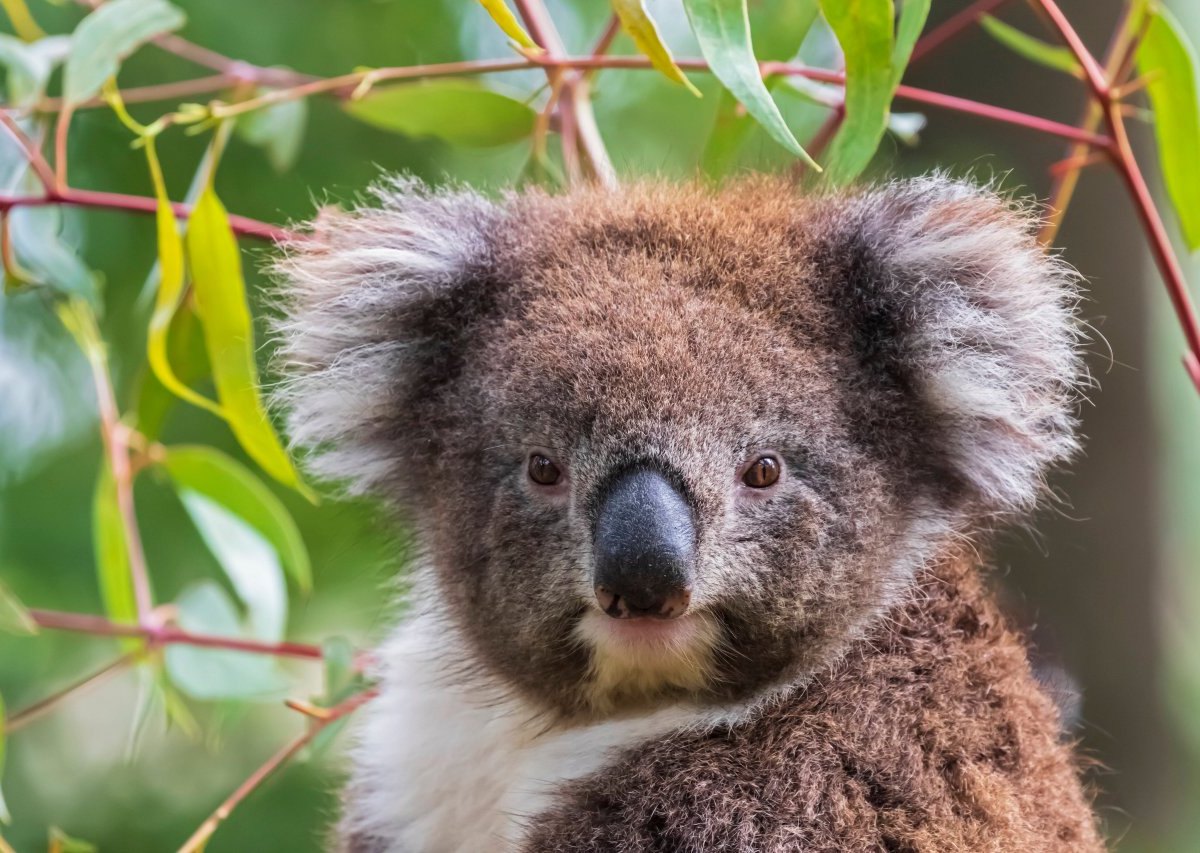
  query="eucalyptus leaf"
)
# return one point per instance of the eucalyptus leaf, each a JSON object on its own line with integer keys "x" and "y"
{"x": 207, "y": 472}
{"x": 722, "y": 29}
{"x": 278, "y": 130}
{"x": 636, "y": 21}
{"x": 508, "y": 22}
{"x": 107, "y": 36}
{"x": 864, "y": 29}
{"x": 41, "y": 249}
{"x": 60, "y": 842}
{"x": 249, "y": 561}
{"x": 212, "y": 674}
{"x": 1166, "y": 58}
{"x": 220, "y": 293}
{"x": 1035, "y": 50}
{"x": 14, "y": 616}
{"x": 461, "y": 112}
{"x": 112, "y": 556}
{"x": 30, "y": 65}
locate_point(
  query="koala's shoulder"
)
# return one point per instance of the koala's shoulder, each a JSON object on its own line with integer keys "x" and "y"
{"x": 930, "y": 735}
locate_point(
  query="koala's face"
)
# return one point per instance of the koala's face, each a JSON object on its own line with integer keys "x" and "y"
{"x": 668, "y": 443}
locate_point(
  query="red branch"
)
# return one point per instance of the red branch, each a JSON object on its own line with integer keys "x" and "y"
{"x": 953, "y": 26}
{"x": 84, "y": 623}
{"x": 140, "y": 204}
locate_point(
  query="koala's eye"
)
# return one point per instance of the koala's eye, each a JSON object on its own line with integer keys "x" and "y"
{"x": 543, "y": 471}
{"x": 762, "y": 473}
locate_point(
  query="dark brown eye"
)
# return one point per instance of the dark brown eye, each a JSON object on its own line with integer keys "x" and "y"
{"x": 543, "y": 471}
{"x": 762, "y": 473}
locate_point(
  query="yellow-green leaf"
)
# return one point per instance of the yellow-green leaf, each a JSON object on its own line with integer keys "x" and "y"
{"x": 722, "y": 28}
{"x": 1166, "y": 59}
{"x": 462, "y": 112}
{"x": 112, "y": 556}
{"x": 636, "y": 21}
{"x": 1035, "y": 50}
{"x": 214, "y": 475}
{"x": 170, "y": 290}
{"x": 220, "y": 294}
{"x": 508, "y": 22}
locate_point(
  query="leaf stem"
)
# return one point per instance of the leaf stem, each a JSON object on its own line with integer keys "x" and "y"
{"x": 316, "y": 725}
{"x": 32, "y": 152}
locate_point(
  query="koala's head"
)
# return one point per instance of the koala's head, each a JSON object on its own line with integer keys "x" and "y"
{"x": 671, "y": 441}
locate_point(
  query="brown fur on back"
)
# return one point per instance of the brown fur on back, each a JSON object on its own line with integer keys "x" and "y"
{"x": 930, "y": 735}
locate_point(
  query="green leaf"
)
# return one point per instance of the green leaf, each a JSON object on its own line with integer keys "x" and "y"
{"x": 913, "y": 14}
{"x": 249, "y": 562}
{"x": 210, "y": 473}
{"x": 189, "y": 363}
{"x": 105, "y": 37}
{"x": 864, "y": 29}
{"x": 41, "y": 249}
{"x": 784, "y": 26}
{"x": 30, "y": 66}
{"x": 220, "y": 294}
{"x": 1035, "y": 50}
{"x": 277, "y": 129}
{"x": 636, "y": 21}
{"x": 5, "y": 817}
{"x": 170, "y": 290}
{"x": 1166, "y": 58}
{"x": 14, "y": 616}
{"x": 722, "y": 29}
{"x": 112, "y": 556}
{"x": 211, "y": 674}
{"x": 507, "y": 21}
{"x": 461, "y": 112}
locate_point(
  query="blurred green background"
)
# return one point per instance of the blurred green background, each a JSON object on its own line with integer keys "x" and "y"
{"x": 1108, "y": 581}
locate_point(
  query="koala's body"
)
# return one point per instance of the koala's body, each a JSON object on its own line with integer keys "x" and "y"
{"x": 696, "y": 478}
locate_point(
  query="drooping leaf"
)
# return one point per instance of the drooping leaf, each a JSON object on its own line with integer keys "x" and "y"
{"x": 1166, "y": 58}
{"x": 784, "y": 25}
{"x": 208, "y": 472}
{"x": 636, "y": 21}
{"x": 5, "y": 817}
{"x": 913, "y": 14}
{"x": 170, "y": 290}
{"x": 30, "y": 66}
{"x": 864, "y": 29}
{"x": 508, "y": 22}
{"x": 248, "y": 560}
{"x": 189, "y": 363}
{"x": 1033, "y": 49}
{"x": 14, "y": 616}
{"x": 22, "y": 20}
{"x": 278, "y": 130}
{"x": 220, "y": 293}
{"x": 109, "y": 34}
{"x": 112, "y": 556}
{"x": 461, "y": 112}
{"x": 722, "y": 29}
{"x": 211, "y": 674}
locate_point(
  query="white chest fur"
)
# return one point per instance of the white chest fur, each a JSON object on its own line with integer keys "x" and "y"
{"x": 444, "y": 766}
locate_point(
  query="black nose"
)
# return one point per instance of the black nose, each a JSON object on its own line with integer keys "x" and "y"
{"x": 645, "y": 547}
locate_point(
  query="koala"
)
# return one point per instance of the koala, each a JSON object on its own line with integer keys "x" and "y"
{"x": 701, "y": 481}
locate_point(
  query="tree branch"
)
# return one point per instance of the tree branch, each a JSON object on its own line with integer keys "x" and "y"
{"x": 38, "y": 709}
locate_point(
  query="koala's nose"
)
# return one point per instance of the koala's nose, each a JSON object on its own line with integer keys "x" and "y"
{"x": 644, "y": 547}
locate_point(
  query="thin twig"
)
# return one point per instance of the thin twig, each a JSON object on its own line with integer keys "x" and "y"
{"x": 38, "y": 709}
{"x": 1131, "y": 173}
{"x": 952, "y": 27}
{"x": 200, "y": 837}
{"x": 84, "y": 623}
{"x": 33, "y": 153}
{"x": 147, "y": 94}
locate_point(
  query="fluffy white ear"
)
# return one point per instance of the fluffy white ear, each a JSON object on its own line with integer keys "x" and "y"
{"x": 367, "y": 316}
{"x": 986, "y": 327}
